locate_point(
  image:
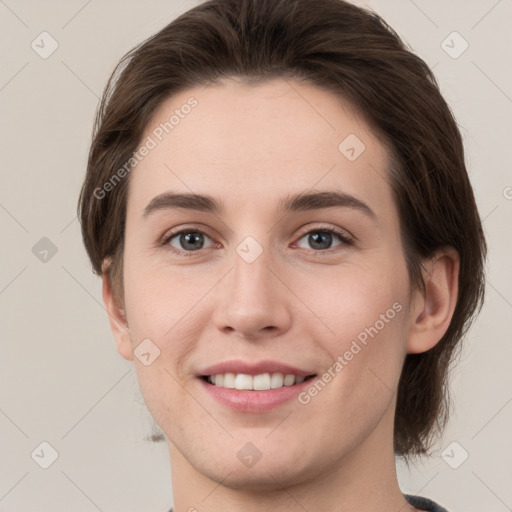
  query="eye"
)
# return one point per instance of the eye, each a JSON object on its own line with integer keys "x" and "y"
{"x": 321, "y": 239}
{"x": 186, "y": 241}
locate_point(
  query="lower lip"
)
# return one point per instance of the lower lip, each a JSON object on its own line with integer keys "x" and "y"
{"x": 244, "y": 400}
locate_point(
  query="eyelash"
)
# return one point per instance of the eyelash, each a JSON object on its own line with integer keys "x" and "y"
{"x": 322, "y": 229}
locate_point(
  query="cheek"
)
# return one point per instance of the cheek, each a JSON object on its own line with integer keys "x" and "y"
{"x": 351, "y": 298}
{"x": 368, "y": 348}
{"x": 365, "y": 312}
{"x": 163, "y": 304}
{"x": 366, "y": 356}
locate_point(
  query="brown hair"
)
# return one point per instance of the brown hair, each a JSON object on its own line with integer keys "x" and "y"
{"x": 350, "y": 52}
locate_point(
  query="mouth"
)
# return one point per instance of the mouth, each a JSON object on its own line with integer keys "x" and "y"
{"x": 254, "y": 387}
{"x": 260, "y": 382}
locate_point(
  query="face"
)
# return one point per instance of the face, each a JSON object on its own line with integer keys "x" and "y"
{"x": 265, "y": 284}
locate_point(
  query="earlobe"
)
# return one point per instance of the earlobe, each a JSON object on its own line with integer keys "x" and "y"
{"x": 116, "y": 316}
{"x": 432, "y": 311}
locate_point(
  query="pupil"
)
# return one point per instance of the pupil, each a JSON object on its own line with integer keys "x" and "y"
{"x": 322, "y": 238}
{"x": 188, "y": 241}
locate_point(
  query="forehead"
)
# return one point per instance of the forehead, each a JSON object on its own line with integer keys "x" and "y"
{"x": 249, "y": 143}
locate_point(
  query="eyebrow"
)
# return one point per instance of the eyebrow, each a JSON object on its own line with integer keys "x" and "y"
{"x": 293, "y": 203}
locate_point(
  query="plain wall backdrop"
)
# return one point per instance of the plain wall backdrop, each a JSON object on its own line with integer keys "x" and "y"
{"x": 61, "y": 379}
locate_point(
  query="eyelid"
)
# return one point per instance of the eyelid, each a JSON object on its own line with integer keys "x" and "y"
{"x": 171, "y": 233}
{"x": 343, "y": 233}
{"x": 345, "y": 238}
{"x": 199, "y": 228}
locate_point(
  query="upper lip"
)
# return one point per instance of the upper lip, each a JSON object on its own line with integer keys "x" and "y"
{"x": 253, "y": 368}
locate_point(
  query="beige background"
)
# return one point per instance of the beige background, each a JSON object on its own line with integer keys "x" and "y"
{"x": 61, "y": 380}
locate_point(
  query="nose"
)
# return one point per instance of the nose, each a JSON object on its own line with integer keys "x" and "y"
{"x": 253, "y": 300}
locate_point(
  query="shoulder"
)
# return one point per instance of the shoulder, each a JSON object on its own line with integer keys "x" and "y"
{"x": 424, "y": 503}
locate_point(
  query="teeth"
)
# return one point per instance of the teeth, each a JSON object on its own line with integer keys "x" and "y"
{"x": 242, "y": 381}
{"x": 260, "y": 382}
{"x": 229, "y": 380}
{"x": 289, "y": 380}
{"x": 277, "y": 381}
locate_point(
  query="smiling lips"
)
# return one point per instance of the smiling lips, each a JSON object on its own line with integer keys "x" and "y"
{"x": 253, "y": 387}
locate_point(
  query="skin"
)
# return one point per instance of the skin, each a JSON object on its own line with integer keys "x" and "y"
{"x": 250, "y": 147}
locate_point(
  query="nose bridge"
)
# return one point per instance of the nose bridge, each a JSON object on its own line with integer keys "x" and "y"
{"x": 252, "y": 298}
{"x": 251, "y": 280}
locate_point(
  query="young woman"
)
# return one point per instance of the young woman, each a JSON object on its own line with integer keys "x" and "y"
{"x": 277, "y": 202}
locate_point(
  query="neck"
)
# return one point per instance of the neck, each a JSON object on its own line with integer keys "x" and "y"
{"x": 364, "y": 480}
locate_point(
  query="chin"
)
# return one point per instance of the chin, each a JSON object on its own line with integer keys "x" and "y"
{"x": 271, "y": 472}
{"x": 263, "y": 479}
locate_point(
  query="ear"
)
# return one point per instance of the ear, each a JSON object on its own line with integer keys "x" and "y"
{"x": 116, "y": 315}
{"x": 431, "y": 312}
